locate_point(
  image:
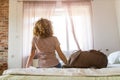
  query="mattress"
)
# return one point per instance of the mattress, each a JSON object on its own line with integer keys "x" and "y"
{"x": 110, "y": 73}
{"x": 23, "y": 77}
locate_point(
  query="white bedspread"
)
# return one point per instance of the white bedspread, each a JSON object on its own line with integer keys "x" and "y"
{"x": 64, "y": 71}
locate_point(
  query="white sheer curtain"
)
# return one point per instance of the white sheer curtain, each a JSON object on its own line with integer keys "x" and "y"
{"x": 61, "y": 14}
{"x": 32, "y": 12}
{"x": 79, "y": 16}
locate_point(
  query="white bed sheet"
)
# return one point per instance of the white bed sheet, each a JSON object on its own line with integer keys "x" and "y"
{"x": 64, "y": 71}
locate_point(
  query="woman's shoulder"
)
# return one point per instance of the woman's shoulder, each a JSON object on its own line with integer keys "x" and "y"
{"x": 48, "y": 38}
{"x": 35, "y": 38}
{"x": 54, "y": 37}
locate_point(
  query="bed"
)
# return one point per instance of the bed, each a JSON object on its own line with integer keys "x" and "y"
{"x": 112, "y": 72}
{"x": 109, "y": 73}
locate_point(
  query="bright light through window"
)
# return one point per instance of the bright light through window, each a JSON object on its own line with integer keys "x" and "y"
{"x": 59, "y": 28}
{"x": 63, "y": 30}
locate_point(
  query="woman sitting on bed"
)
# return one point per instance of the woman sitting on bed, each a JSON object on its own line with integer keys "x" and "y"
{"x": 44, "y": 45}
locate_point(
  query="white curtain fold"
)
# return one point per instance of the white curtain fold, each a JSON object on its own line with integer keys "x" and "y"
{"x": 80, "y": 16}
{"x": 63, "y": 17}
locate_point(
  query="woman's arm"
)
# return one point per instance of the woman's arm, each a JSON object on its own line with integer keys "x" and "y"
{"x": 61, "y": 55}
{"x": 30, "y": 58}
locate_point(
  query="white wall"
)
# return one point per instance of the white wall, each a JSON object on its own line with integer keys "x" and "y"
{"x": 105, "y": 30}
{"x": 117, "y": 2}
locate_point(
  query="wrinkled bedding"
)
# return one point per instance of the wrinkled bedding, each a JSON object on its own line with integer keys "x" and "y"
{"x": 112, "y": 72}
{"x": 64, "y": 71}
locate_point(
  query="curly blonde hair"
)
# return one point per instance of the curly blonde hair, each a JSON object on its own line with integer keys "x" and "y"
{"x": 43, "y": 28}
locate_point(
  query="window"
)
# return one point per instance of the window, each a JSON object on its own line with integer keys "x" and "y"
{"x": 74, "y": 14}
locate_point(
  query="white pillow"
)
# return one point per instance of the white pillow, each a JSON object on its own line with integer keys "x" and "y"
{"x": 114, "y": 58}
